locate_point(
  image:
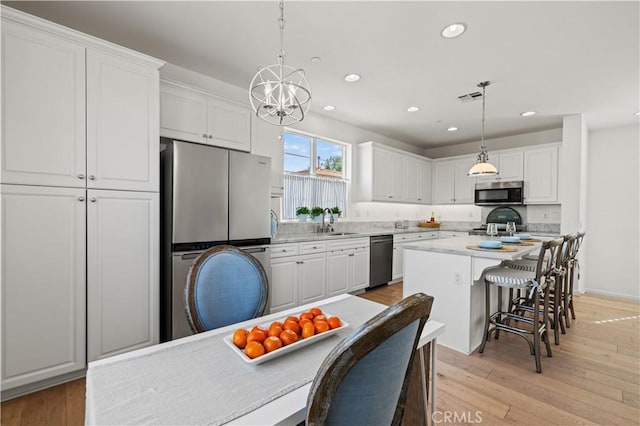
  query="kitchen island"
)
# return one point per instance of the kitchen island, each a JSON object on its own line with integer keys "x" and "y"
{"x": 451, "y": 273}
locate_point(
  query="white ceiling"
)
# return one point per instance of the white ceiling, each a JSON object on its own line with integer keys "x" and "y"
{"x": 556, "y": 58}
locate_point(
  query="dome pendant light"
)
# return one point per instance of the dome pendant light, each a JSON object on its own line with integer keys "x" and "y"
{"x": 483, "y": 167}
{"x": 279, "y": 93}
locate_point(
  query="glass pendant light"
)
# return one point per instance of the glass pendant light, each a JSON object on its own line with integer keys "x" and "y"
{"x": 483, "y": 167}
{"x": 279, "y": 93}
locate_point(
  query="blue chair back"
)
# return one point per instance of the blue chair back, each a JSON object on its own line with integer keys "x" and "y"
{"x": 225, "y": 285}
{"x": 364, "y": 379}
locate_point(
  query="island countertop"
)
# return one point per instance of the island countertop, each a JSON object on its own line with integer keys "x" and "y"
{"x": 459, "y": 246}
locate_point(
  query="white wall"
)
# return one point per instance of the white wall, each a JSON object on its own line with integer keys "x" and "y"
{"x": 516, "y": 141}
{"x": 613, "y": 197}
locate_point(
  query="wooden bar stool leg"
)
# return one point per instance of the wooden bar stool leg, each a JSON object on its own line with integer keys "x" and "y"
{"x": 499, "y": 319}
{"x": 487, "y": 315}
{"x": 536, "y": 330}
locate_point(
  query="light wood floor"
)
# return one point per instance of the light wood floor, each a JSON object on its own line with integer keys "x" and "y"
{"x": 592, "y": 378}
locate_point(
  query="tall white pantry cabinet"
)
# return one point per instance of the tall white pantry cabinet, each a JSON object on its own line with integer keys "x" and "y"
{"x": 80, "y": 180}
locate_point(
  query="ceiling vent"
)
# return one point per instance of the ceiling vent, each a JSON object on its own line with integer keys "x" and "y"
{"x": 470, "y": 97}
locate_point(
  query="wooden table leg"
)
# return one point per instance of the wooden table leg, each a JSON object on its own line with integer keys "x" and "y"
{"x": 416, "y": 410}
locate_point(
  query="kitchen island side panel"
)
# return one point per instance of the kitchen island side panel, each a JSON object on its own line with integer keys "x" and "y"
{"x": 447, "y": 278}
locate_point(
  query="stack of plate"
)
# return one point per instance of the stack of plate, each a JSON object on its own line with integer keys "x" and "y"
{"x": 490, "y": 244}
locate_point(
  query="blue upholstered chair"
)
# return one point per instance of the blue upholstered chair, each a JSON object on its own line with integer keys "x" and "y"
{"x": 225, "y": 285}
{"x": 364, "y": 379}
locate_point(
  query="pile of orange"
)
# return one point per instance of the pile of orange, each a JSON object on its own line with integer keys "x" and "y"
{"x": 260, "y": 340}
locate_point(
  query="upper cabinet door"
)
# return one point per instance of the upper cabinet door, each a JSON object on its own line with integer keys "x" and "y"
{"x": 122, "y": 124}
{"x": 443, "y": 182}
{"x": 410, "y": 172}
{"x": 43, "y": 108}
{"x": 381, "y": 175}
{"x": 424, "y": 182}
{"x": 229, "y": 125}
{"x": 511, "y": 165}
{"x": 541, "y": 175}
{"x": 464, "y": 185}
{"x": 183, "y": 114}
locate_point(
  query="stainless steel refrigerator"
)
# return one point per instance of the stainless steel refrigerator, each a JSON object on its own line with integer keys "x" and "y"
{"x": 209, "y": 196}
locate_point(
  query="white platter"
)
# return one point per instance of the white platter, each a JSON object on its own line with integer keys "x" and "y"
{"x": 285, "y": 349}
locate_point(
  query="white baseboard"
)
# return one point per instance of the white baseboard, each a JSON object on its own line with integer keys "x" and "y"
{"x": 613, "y": 294}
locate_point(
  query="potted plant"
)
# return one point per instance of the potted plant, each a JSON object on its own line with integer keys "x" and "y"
{"x": 302, "y": 213}
{"x": 336, "y": 212}
{"x": 316, "y": 212}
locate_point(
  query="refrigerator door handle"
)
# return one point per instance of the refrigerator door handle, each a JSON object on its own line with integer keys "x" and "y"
{"x": 190, "y": 256}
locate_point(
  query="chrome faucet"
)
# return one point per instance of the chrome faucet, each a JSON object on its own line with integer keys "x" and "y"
{"x": 329, "y": 228}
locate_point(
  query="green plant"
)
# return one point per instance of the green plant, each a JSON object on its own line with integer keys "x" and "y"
{"x": 316, "y": 211}
{"x": 336, "y": 210}
{"x": 302, "y": 210}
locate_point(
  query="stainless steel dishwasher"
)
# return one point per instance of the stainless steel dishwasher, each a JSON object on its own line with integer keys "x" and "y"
{"x": 381, "y": 260}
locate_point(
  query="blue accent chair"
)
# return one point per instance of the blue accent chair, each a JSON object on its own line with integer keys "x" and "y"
{"x": 224, "y": 286}
{"x": 364, "y": 379}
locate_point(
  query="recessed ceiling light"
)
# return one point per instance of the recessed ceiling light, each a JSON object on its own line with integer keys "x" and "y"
{"x": 328, "y": 107}
{"x": 352, "y": 78}
{"x": 452, "y": 129}
{"x": 453, "y": 30}
{"x": 316, "y": 59}
{"x": 413, "y": 109}
{"x": 527, "y": 113}
{"x": 636, "y": 113}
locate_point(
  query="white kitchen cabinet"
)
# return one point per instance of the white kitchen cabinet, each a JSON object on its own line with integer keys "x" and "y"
{"x": 122, "y": 272}
{"x": 451, "y": 185}
{"x": 424, "y": 182}
{"x": 541, "y": 175}
{"x": 312, "y": 276}
{"x": 452, "y": 234}
{"x": 189, "y": 114}
{"x": 510, "y": 165}
{"x": 122, "y": 123}
{"x": 43, "y": 283}
{"x": 297, "y": 278}
{"x": 347, "y": 265}
{"x": 266, "y": 139}
{"x": 43, "y": 108}
{"x": 359, "y": 268}
{"x": 79, "y": 115}
{"x": 108, "y": 140}
{"x": 338, "y": 272}
{"x": 389, "y": 175}
{"x": 283, "y": 291}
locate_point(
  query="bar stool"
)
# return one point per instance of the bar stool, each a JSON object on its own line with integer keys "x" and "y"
{"x": 573, "y": 268}
{"x": 536, "y": 283}
{"x": 557, "y": 286}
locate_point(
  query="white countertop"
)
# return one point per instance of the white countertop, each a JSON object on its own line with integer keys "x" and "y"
{"x": 297, "y": 238}
{"x": 459, "y": 245}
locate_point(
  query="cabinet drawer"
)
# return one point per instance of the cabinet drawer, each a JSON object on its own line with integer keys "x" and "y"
{"x": 428, "y": 235}
{"x": 313, "y": 247}
{"x": 401, "y": 238}
{"x": 348, "y": 243}
{"x": 283, "y": 250}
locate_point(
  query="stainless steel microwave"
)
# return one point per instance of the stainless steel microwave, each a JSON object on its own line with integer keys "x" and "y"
{"x": 499, "y": 193}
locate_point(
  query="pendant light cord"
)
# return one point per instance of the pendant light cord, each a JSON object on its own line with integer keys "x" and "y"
{"x": 281, "y": 21}
{"x": 484, "y": 88}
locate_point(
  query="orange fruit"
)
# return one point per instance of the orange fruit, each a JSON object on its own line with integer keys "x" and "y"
{"x": 254, "y": 349}
{"x": 308, "y": 330}
{"x": 316, "y": 311}
{"x": 256, "y": 335}
{"x": 240, "y": 338}
{"x": 304, "y": 321}
{"x": 319, "y": 318}
{"x": 294, "y": 319}
{"x": 306, "y": 315}
{"x": 272, "y": 343}
{"x": 288, "y": 337}
{"x": 291, "y": 325}
{"x": 334, "y": 322}
{"x": 275, "y": 330}
{"x": 321, "y": 326}
{"x": 257, "y": 327}
{"x": 273, "y": 324}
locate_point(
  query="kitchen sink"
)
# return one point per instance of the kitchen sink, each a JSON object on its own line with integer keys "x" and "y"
{"x": 333, "y": 234}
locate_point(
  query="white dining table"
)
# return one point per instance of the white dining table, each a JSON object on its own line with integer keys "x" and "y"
{"x": 193, "y": 380}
